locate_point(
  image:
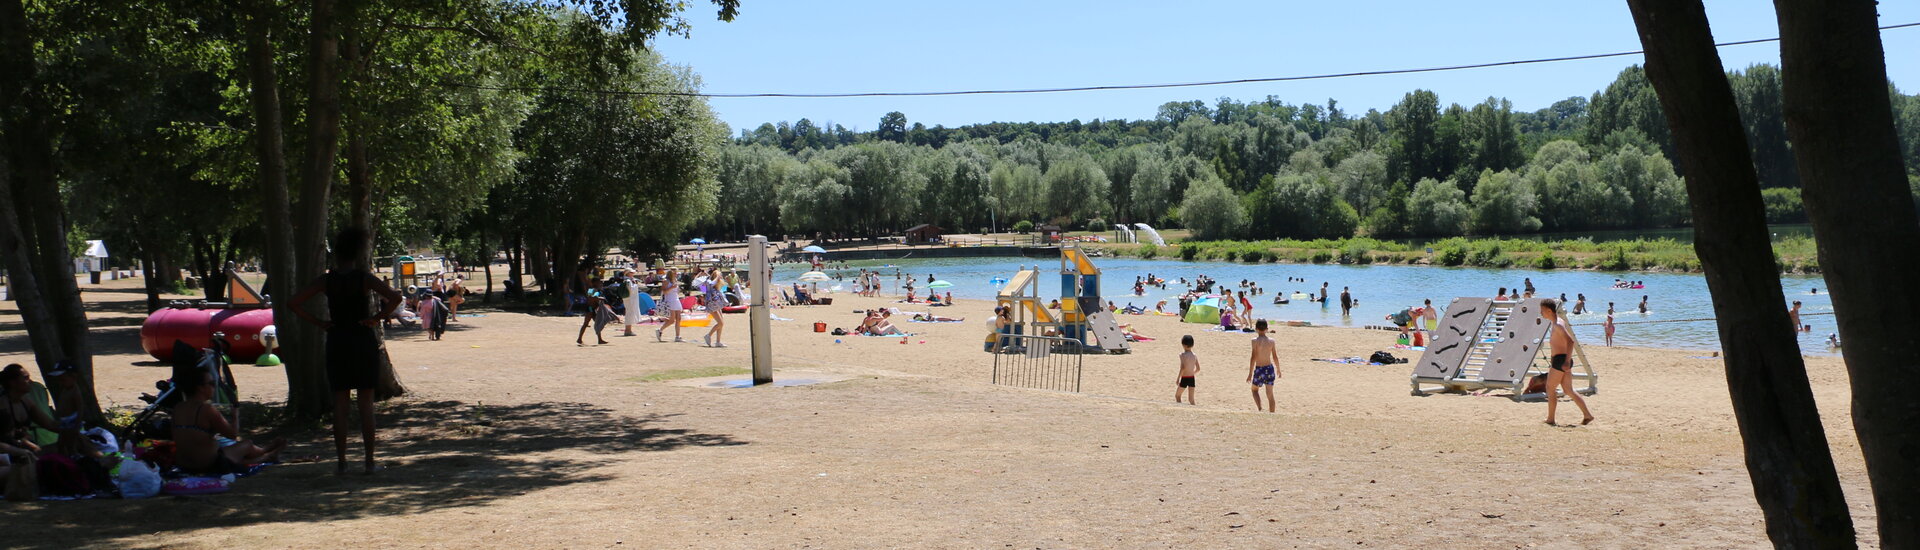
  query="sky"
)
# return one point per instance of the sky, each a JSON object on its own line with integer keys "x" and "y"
{"x": 794, "y": 46}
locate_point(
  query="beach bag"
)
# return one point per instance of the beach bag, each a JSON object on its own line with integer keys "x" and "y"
{"x": 60, "y": 475}
{"x": 1383, "y": 358}
{"x": 23, "y": 481}
{"x": 137, "y": 479}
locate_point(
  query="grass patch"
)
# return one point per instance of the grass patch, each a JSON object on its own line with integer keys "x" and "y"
{"x": 682, "y": 374}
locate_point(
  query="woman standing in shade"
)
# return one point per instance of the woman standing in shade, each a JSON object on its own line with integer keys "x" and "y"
{"x": 353, "y": 348}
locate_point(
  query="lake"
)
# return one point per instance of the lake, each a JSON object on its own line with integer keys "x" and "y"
{"x": 1381, "y": 290}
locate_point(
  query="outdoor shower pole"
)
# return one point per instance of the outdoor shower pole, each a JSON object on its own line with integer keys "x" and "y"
{"x": 758, "y": 324}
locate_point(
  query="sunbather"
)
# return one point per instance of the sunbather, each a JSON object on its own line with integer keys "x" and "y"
{"x": 931, "y": 318}
{"x": 204, "y": 443}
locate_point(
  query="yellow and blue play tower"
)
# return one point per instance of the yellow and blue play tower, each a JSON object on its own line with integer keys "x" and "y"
{"x": 1083, "y": 314}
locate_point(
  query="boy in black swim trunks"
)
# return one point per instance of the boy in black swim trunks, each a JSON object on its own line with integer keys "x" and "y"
{"x": 1189, "y": 367}
{"x": 1262, "y": 366}
{"x": 1560, "y": 338}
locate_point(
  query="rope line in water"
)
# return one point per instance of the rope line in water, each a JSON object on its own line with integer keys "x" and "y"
{"x": 1676, "y": 320}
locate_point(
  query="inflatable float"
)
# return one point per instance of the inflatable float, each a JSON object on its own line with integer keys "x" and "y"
{"x": 240, "y": 321}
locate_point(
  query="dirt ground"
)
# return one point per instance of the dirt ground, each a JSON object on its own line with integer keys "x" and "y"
{"x": 516, "y": 437}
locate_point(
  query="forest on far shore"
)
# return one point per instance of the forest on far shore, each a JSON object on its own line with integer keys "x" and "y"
{"x": 1263, "y": 169}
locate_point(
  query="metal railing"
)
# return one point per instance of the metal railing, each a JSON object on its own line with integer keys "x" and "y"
{"x": 1039, "y": 362}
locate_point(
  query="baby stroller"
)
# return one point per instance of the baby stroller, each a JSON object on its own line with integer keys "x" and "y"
{"x": 186, "y": 362}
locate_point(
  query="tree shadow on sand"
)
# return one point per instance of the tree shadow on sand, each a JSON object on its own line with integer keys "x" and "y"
{"x": 443, "y": 455}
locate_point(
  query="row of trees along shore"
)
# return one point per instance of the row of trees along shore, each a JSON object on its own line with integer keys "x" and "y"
{"x": 191, "y": 134}
{"x": 1264, "y": 169}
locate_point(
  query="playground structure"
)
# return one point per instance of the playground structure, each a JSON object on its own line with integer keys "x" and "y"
{"x": 1083, "y": 316}
{"x": 1484, "y": 343}
{"x": 244, "y": 324}
{"x": 408, "y": 269}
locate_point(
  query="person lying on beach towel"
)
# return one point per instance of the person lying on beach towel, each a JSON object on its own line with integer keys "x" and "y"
{"x": 931, "y": 318}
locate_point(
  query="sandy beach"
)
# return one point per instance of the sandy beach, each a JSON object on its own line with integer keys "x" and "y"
{"x": 514, "y": 436}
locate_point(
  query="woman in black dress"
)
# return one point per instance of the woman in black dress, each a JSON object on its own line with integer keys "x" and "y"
{"x": 353, "y": 347}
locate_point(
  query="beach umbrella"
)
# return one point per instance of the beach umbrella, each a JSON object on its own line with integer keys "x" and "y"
{"x": 814, "y": 277}
{"x": 697, "y": 241}
{"x": 812, "y": 248}
{"x": 940, "y": 284}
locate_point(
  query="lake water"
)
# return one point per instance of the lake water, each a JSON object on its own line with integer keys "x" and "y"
{"x": 1381, "y": 290}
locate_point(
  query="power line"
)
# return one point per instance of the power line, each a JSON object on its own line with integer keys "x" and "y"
{"x": 1132, "y": 86}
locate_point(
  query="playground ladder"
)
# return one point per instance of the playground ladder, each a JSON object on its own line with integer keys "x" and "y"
{"x": 1490, "y": 333}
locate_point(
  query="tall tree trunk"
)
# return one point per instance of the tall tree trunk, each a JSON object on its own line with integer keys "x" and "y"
{"x": 360, "y": 194}
{"x": 22, "y": 286}
{"x": 26, "y": 117}
{"x": 152, "y": 285}
{"x": 299, "y": 346}
{"x": 307, "y": 391}
{"x": 1786, "y": 447}
{"x": 1840, "y": 120}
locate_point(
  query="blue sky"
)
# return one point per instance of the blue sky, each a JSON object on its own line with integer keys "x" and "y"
{"x": 864, "y": 46}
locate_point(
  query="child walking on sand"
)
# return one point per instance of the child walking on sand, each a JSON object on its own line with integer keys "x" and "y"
{"x": 1261, "y": 367}
{"x": 1189, "y": 367}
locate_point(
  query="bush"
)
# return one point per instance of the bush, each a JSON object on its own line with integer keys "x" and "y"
{"x": 1453, "y": 254}
{"x": 1616, "y": 259}
{"x": 1098, "y": 225}
{"x": 1023, "y": 226}
{"x": 1489, "y": 254}
{"x": 1355, "y": 253}
{"x": 985, "y": 230}
{"x": 1148, "y": 251}
{"x": 1546, "y": 261}
{"x": 1322, "y": 256}
{"x": 1189, "y": 250}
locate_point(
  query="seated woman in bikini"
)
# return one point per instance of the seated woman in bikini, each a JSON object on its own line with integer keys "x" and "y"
{"x": 204, "y": 442}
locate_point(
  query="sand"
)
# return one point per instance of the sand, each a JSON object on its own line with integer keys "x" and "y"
{"x": 515, "y": 437}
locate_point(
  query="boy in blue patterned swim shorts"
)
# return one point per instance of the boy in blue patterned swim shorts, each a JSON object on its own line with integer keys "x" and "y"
{"x": 1261, "y": 370}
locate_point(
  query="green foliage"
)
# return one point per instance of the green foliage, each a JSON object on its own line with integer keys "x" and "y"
{"x": 1488, "y": 254}
{"x": 1504, "y": 203}
{"x": 1189, "y": 250}
{"x": 1212, "y": 211}
{"x": 1452, "y": 254}
{"x": 1098, "y": 225}
{"x": 1023, "y": 227}
{"x": 1355, "y": 253}
{"x": 1546, "y": 261}
{"x": 1148, "y": 251}
{"x": 1438, "y": 208}
{"x": 1783, "y": 205}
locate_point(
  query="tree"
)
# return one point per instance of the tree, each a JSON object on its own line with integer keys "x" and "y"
{"x": 1414, "y": 123}
{"x": 1657, "y": 197}
{"x": 1212, "y": 211}
{"x": 605, "y": 169}
{"x": 1363, "y": 180}
{"x": 893, "y": 127}
{"x": 1077, "y": 188}
{"x": 1786, "y": 447}
{"x": 1438, "y": 208}
{"x": 1842, "y": 128}
{"x": 1503, "y": 203}
{"x": 1152, "y": 189}
{"x": 1757, "y": 90}
{"x": 37, "y": 236}
{"x": 1629, "y": 103}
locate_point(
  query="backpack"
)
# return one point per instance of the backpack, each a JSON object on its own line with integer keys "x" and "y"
{"x": 1384, "y": 358}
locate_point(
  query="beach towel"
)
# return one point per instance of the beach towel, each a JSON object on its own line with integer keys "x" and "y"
{"x": 1349, "y": 361}
{"x": 1407, "y": 347}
